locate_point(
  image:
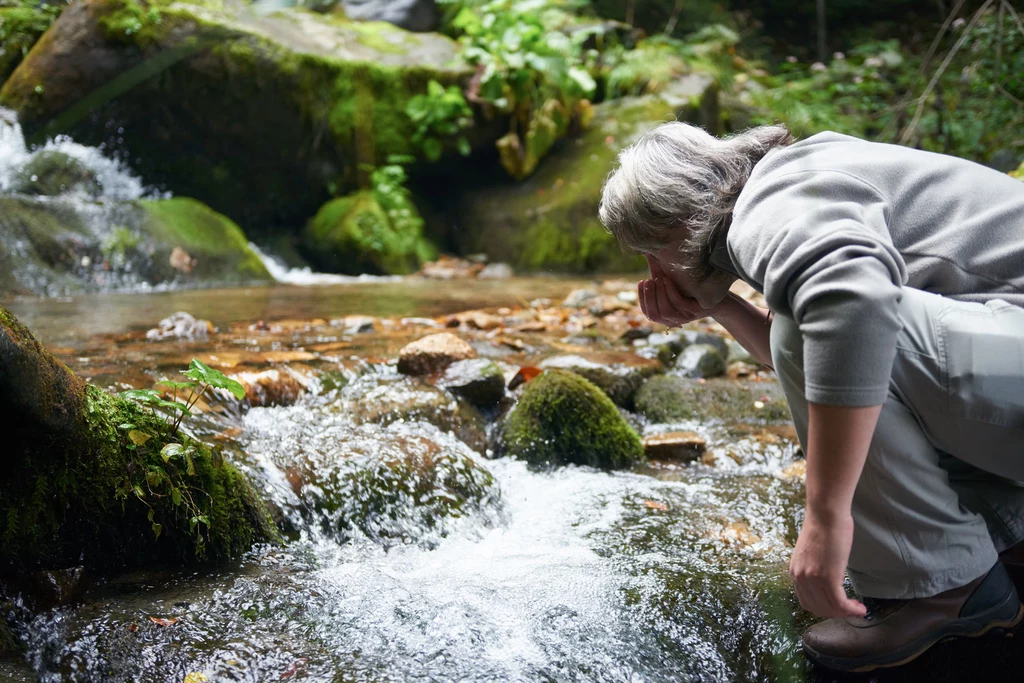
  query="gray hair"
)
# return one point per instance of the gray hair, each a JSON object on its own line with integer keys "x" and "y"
{"x": 678, "y": 176}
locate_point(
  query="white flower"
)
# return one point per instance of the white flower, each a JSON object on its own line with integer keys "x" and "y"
{"x": 838, "y": 56}
{"x": 791, "y": 59}
{"x": 858, "y": 80}
{"x": 959, "y": 22}
{"x": 874, "y": 62}
{"x": 818, "y": 66}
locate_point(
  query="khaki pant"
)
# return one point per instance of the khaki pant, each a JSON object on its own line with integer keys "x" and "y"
{"x": 940, "y": 494}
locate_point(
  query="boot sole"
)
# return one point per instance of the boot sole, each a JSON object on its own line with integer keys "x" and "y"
{"x": 966, "y": 628}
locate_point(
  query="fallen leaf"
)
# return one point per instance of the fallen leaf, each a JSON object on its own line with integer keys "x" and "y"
{"x": 295, "y": 667}
{"x": 528, "y": 372}
{"x": 133, "y": 627}
{"x": 139, "y": 438}
{"x": 162, "y": 621}
{"x": 195, "y": 677}
{"x": 655, "y": 505}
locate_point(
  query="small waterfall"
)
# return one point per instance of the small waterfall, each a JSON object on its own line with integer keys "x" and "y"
{"x": 305, "y": 276}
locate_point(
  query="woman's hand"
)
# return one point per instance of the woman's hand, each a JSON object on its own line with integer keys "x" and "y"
{"x": 818, "y": 566}
{"x": 662, "y": 303}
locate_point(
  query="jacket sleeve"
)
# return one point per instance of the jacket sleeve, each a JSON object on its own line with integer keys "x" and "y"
{"x": 818, "y": 243}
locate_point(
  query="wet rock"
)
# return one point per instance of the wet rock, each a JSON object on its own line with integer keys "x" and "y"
{"x": 271, "y": 387}
{"x": 794, "y": 470}
{"x": 412, "y": 15}
{"x": 736, "y": 353}
{"x": 496, "y": 271}
{"x": 679, "y": 447}
{"x": 619, "y": 375}
{"x": 479, "y": 381}
{"x": 181, "y": 261}
{"x": 58, "y": 587}
{"x": 606, "y": 305}
{"x": 699, "y": 360}
{"x": 181, "y": 325}
{"x": 578, "y": 298}
{"x": 357, "y": 324}
{"x": 378, "y": 400}
{"x": 433, "y": 353}
{"x": 53, "y": 173}
{"x": 450, "y": 268}
{"x": 669, "y": 398}
{"x": 562, "y": 419}
{"x": 477, "y": 320}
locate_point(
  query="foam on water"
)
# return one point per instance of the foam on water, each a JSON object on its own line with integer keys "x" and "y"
{"x": 306, "y": 276}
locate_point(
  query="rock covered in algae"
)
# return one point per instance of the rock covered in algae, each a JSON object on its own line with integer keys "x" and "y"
{"x": 562, "y": 418}
{"x": 478, "y": 380}
{"x": 92, "y": 479}
{"x": 52, "y": 173}
{"x": 619, "y": 375}
{"x": 669, "y": 398}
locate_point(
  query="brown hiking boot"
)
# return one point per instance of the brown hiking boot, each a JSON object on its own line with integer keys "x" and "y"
{"x": 896, "y": 631}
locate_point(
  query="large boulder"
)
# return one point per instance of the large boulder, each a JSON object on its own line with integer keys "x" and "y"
{"x": 21, "y": 25}
{"x": 91, "y": 479}
{"x": 619, "y": 375}
{"x": 56, "y": 247}
{"x": 262, "y": 116}
{"x": 549, "y": 221}
{"x": 561, "y": 418}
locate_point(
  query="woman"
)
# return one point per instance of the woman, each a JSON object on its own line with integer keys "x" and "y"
{"x": 893, "y": 277}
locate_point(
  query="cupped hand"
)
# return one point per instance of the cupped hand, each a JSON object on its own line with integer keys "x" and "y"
{"x": 818, "y": 566}
{"x": 662, "y": 303}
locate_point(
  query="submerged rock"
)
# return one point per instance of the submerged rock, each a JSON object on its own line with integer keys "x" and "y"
{"x": 52, "y": 173}
{"x": 433, "y": 353}
{"x": 561, "y": 419}
{"x": 675, "y": 446}
{"x": 92, "y": 479}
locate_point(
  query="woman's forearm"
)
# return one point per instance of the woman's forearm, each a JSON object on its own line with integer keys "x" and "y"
{"x": 749, "y": 325}
{"x": 838, "y": 438}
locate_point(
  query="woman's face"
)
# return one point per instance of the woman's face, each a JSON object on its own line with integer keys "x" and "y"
{"x": 708, "y": 292}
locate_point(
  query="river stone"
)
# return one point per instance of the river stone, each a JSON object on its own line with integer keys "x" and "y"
{"x": 479, "y": 380}
{"x": 357, "y": 324}
{"x": 549, "y": 222}
{"x": 700, "y": 360}
{"x": 52, "y": 173}
{"x": 619, "y": 375}
{"x": 330, "y": 94}
{"x": 675, "y": 446}
{"x": 433, "y": 353}
{"x": 561, "y": 418}
{"x": 181, "y": 325}
{"x": 412, "y": 15}
{"x": 384, "y": 400}
{"x": 496, "y": 271}
{"x": 271, "y": 387}
{"x": 578, "y": 298}
{"x": 58, "y": 587}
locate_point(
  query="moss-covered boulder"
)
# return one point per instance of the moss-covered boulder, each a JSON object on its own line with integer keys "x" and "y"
{"x": 561, "y": 418}
{"x": 55, "y": 247}
{"x": 668, "y": 398}
{"x": 263, "y": 116}
{"x": 21, "y": 25}
{"x": 93, "y": 480}
{"x": 354, "y": 234}
{"x": 549, "y": 221}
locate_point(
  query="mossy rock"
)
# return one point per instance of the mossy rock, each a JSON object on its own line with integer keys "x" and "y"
{"x": 52, "y": 173}
{"x": 668, "y": 398}
{"x": 700, "y": 360}
{"x": 262, "y": 116}
{"x": 1019, "y": 173}
{"x": 21, "y": 25}
{"x": 82, "y": 488}
{"x": 355, "y": 235}
{"x": 561, "y": 418}
{"x": 549, "y": 221}
{"x": 51, "y": 247}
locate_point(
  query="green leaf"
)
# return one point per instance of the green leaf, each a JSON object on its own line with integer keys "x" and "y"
{"x": 201, "y": 372}
{"x": 139, "y": 492}
{"x": 171, "y": 450}
{"x": 435, "y": 89}
{"x": 149, "y": 515}
{"x": 139, "y": 438}
{"x": 126, "y": 425}
{"x": 464, "y": 147}
{"x": 141, "y": 395}
{"x": 176, "y": 497}
{"x": 583, "y": 79}
{"x": 175, "y": 385}
{"x": 433, "y": 149}
{"x": 157, "y": 529}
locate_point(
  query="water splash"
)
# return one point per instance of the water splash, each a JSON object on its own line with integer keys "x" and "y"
{"x": 306, "y": 276}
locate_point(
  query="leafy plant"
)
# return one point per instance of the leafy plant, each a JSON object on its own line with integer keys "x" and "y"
{"x": 203, "y": 378}
{"x": 164, "y": 482}
{"x": 440, "y": 115}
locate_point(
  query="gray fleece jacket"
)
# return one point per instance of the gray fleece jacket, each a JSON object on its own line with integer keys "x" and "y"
{"x": 831, "y": 228}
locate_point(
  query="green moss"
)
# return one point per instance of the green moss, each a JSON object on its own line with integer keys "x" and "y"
{"x": 47, "y": 229}
{"x": 79, "y": 490}
{"x": 1019, "y": 173}
{"x": 212, "y": 238}
{"x": 355, "y": 235}
{"x": 669, "y": 398}
{"x": 562, "y": 418}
